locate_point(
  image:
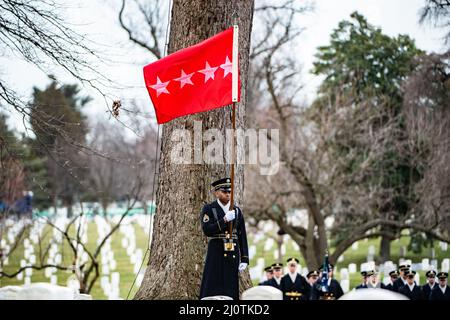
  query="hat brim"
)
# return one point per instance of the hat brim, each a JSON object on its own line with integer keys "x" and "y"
{"x": 228, "y": 189}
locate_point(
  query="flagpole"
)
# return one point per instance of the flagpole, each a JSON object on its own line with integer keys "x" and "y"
{"x": 234, "y": 96}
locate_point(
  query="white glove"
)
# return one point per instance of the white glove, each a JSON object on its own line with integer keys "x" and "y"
{"x": 242, "y": 266}
{"x": 230, "y": 215}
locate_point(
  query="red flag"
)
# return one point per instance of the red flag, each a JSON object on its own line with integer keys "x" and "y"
{"x": 194, "y": 79}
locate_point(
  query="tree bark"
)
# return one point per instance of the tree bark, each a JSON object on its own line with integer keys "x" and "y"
{"x": 178, "y": 244}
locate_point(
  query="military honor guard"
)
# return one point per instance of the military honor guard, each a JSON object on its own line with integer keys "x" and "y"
{"x": 431, "y": 283}
{"x": 277, "y": 276}
{"x": 363, "y": 284}
{"x": 227, "y": 253}
{"x": 334, "y": 288}
{"x": 393, "y": 276}
{"x": 403, "y": 269}
{"x": 441, "y": 291}
{"x": 373, "y": 280}
{"x": 312, "y": 278}
{"x": 294, "y": 285}
{"x": 410, "y": 289}
{"x": 269, "y": 275}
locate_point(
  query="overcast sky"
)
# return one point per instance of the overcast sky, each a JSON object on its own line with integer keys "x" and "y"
{"x": 99, "y": 21}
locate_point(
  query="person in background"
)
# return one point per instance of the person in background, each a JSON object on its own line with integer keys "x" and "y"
{"x": 269, "y": 275}
{"x": 431, "y": 282}
{"x": 294, "y": 285}
{"x": 401, "y": 281}
{"x": 442, "y": 290}
{"x": 277, "y": 275}
{"x": 312, "y": 278}
{"x": 363, "y": 283}
{"x": 373, "y": 280}
{"x": 393, "y": 275}
{"x": 410, "y": 289}
{"x": 334, "y": 288}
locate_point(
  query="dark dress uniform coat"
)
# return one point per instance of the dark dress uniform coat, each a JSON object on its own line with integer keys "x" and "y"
{"x": 436, "y": 293}
{"x": 272, "y": 282}
{"x": 427, "y": 289}
{"x": 398, "y": 284}
{"x": 334, "y": 289}
{"x": 361, "y": 286}
{"x": 415, "y": 294}
{"x": 221, "y": 274}
{"x": 300, "y": 285}
{"x": 389, "y": 287}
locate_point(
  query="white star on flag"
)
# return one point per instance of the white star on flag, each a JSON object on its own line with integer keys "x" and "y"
{"x": 226, "y": 67}
{"x": 208, "y": 71}
{"x": 184, "y": 78}
{"x": 160, "y": 87}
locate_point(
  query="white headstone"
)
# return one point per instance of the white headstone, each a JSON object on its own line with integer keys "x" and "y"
{"x": 268, "y": 244}
{"x": 345, "y": 285}
{"x": 251, "y": 251}
{"x": 341, "y": 258}
{"x": 425, "y": 264}
{"x": 47, "y": 272}
{"x": 115, "y": 278}
{"x": 105, "y": 269}
{"x": 28, "y": 272}
{"x": 445, "y": 265}
{"x": 54, "y": 279}
{"x": 344, "y": 274}
{"x": 27, "y": 280}
{"x": 352, "y": 268}
{"x": 417, "y": 278}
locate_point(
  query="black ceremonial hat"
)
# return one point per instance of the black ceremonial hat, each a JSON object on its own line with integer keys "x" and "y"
{"x": 293, "y": 260}
{"x": 222, "y": 184}
{"x": 277, "y": 265}
{"x": 312, "y": 273}
{"x": 268, "y": 269}
{"x": 430, "y": 273}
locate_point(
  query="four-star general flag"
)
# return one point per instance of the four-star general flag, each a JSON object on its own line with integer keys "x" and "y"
{"x": 194, "y": 79}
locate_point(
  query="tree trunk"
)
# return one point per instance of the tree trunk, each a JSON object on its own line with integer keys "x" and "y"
{"x": 385, "y": 249}
{"x": 178, "y": 244}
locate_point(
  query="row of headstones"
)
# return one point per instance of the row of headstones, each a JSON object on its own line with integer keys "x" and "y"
{"x": 129, "y": 243}
{"x": 110, "y": 285}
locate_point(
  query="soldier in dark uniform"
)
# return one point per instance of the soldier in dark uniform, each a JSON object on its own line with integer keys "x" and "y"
{"x": 277, "y": 276}
{"x": 442, "y": 290}
{"x": 223, "y": 263}
{"x": 334, "y": 288}
{"x": 431, "y": 283}
{"x": 410, "y": 289}
{"x": 269, "y": 275}
{"x": 373, "y": 280}
{"x": 363, "y": 283}
{"x": 393, "y": 277}
{"x": 312, "y": 277}
{"x": 401, "y": 281}
{"x": 294, "y": 285}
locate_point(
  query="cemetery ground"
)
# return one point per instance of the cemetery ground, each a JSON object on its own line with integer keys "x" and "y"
{"x": 126, "y": 265}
